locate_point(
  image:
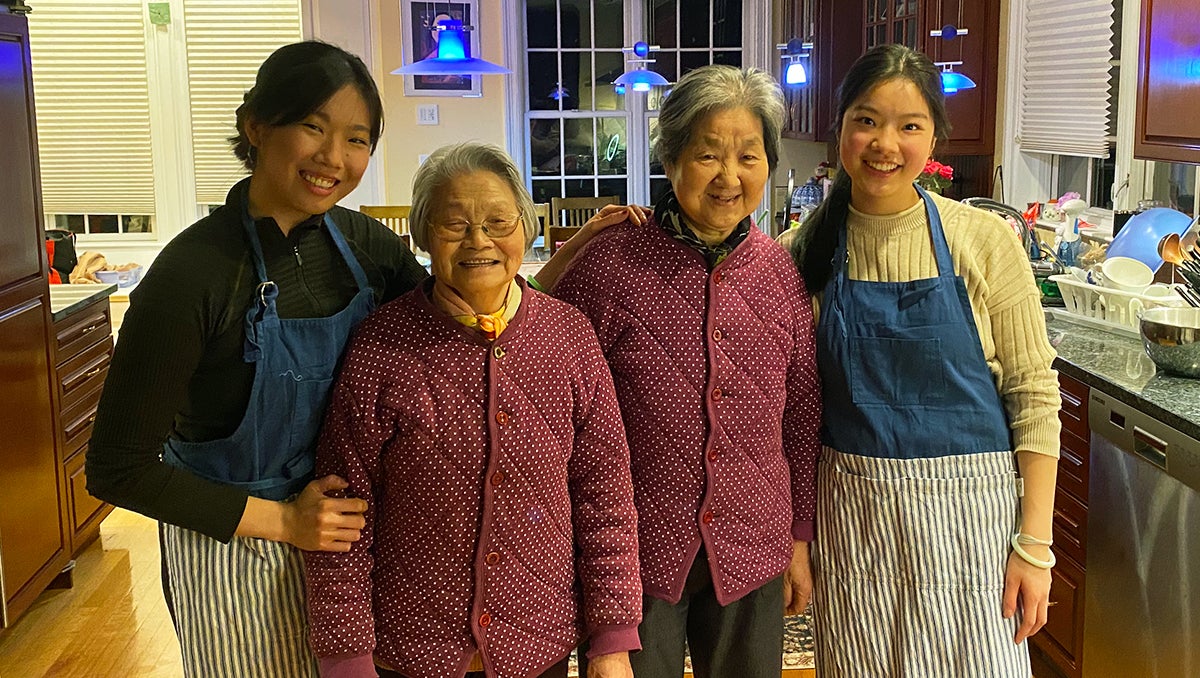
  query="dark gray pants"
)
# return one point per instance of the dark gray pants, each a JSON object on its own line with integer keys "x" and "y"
{"x": 741, "y": 640}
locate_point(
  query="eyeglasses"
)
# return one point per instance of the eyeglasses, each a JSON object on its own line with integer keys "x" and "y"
{"x": 493, "y": 228}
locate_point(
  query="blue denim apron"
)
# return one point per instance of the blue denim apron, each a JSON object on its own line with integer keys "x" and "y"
{"x": 902, "y": 369}
{"x": 271, "y": 454}
{"x": 916, "y": 493}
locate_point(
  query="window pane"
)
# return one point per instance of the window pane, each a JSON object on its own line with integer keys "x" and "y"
{"x": 540, "y": 18}
{"x": 141, "y": 223}
{"x": 727, "y": 23}
{"x": 543, "y": 79}
{"x": 912, "y": 33}
{"x": 102, "y": 223}
{"x": 578, "y": 147}
{"x": 1073, "y": 175}
{"x": 1174, "y": 186}
{"x": 658, "y": 188}
{"x": 610, "y": 28}
{"x": 691, "y": 60}
{"x": 666, "y": 64}
{"x": 609, "y": 66}
{"x": 662, "y": 23}
{"x": 611, "y": 142}
{"x": 656, "y": 166}
{"x": 580, "y": 188}
{"x": 544, "y": 148}
{"x": 617, "y": 187}
{"x": 577, "y": 79}
{"x": 729, "y": 58}
{"x": 69, "y": 222}
{"x": 694, "y": 25}
{"x": 576, "y": 20}
{"x": 544, "y": 190}
{"x": 872, "y": 11}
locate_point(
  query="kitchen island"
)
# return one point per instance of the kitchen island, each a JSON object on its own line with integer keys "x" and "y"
{"x": 1127, "y": 503}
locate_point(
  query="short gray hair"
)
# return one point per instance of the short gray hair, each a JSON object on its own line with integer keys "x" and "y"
{"x": 718, "y": 87}
{"x": 448, "y": 162}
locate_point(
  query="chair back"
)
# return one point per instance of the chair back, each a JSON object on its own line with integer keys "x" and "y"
{"x": 542, "y": 210}
{"x": 576, "y": 211}
{"x": 394, "y": 217}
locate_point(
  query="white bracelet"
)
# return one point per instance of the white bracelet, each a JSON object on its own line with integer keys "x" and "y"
{"x": 1027, "y": 539}
{"x": 1020, "y": 538}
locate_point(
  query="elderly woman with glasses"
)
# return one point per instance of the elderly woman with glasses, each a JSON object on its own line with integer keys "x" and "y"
{"x": 709, "y": 333}
{"x": 478, "y": 420}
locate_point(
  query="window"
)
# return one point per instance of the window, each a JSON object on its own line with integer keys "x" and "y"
{"x": 581, "y": 137}
{"x": 132, "y": 115}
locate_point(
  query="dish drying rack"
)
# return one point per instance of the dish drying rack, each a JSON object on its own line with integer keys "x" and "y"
{"x": 1107, "y": 308}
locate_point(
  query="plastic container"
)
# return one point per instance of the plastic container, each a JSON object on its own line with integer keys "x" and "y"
{"x": 122, "y": 278}
{"x": 1138, "y": 239}
{"x": 805, "y": 200}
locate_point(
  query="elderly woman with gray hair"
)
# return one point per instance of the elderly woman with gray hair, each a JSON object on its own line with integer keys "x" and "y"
{"x": 478, "y": 420}
{"x": 709, "y": 333}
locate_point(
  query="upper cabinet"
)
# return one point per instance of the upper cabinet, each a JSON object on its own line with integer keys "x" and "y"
{"x": 972, "y": 111}
{"x": 1168, "y": 93}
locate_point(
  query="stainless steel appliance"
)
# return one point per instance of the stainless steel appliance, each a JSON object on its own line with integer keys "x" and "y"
{"x": 1142, "y": 606}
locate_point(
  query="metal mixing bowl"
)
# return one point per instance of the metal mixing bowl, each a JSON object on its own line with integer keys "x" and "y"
{"x": 1172, "y": 339}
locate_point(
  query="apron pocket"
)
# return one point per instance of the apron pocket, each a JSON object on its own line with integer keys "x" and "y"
{"x": 887, "y": 371}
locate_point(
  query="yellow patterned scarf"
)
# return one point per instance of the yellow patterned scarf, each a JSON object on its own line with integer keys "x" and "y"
{"x": 491, "y": 325}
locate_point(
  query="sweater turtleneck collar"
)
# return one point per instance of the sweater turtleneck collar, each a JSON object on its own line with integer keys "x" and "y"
{"x": 887, "y": 225}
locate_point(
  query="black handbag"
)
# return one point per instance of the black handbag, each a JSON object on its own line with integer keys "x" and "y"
{"x": 64, "y": 259}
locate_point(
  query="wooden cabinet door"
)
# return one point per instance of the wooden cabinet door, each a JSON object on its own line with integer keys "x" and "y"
{"x": 21, "y": 248}
{"x": 972, "y": 111}
{"x": 1168, "y": 93}
{"x": 32, "y": 538}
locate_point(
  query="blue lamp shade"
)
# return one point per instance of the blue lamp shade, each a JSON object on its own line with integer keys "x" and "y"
{"x": 640, "y": 80}
{"x": 453, "y": 56}
{"x": 952, "y": 81}
{"x": 795, "y": 74}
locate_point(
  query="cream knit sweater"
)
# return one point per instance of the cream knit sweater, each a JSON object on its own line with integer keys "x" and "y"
{"x": 1004, "y": 298}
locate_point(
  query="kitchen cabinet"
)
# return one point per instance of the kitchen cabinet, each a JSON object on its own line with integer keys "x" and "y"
{"x": 83, "y": 348}
{"x": 34, "y": 543}
{"x": 1167, "y": 127}
{"x": 1057, "y": 651}
{"x": 836, "y": 35}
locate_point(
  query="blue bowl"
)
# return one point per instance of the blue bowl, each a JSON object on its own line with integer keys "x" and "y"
{"x": 1139, "y": 238}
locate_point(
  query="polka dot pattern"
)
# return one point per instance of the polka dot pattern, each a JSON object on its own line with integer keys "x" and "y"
{"x": 501, "y": 515}
{"x": 716, "y": 375}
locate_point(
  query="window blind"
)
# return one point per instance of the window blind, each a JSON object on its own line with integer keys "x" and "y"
{"x": 1065, "y": 90}
{"x": 227, "y": 40}
{"x": 93, "y": 107}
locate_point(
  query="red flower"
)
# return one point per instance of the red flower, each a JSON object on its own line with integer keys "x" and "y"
{"x": 946, "y": 171}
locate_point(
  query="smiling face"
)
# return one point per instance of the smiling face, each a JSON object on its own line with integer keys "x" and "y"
{"x": 306, "y": 167}
{"x": 720, "y": 175}
{"x": 886, "y": 137}
{"x": 478, "y": 267}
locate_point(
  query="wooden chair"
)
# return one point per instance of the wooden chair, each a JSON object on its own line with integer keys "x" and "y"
{"x": 394, "y": 217}
{"x": 542, "y": 210}
{"x": 568, "y": 215}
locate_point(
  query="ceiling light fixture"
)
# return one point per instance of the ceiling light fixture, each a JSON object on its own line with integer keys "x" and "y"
{"x": 637, "y": 77}
{"x": 453, "y": 55}
{"x": 795, "y": 53}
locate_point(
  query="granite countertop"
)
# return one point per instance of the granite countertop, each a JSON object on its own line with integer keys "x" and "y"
{"x": 1118, "y": 365}
{"x": 66, "y": 299}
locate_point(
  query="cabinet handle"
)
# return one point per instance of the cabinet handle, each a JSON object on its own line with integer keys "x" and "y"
{"x": 89, "y": 375}
{"x": 92, "y": 328}
{"x": 91, "y": 420}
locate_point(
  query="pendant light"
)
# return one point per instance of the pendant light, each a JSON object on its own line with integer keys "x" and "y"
{"x": 795, "y": 53}
{"x": 453, "y": 55}
{"x": 637, "y": 77}
{"x": 952, "y": 80}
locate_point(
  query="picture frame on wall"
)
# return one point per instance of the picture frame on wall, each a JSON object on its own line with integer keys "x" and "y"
{"x": 419, "y": 36}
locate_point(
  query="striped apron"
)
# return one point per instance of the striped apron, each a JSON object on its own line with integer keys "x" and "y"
{"x": 238, "y": 608}
{"x": 917, "y": 491}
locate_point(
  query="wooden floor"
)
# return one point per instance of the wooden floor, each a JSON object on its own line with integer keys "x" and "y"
{"x": 113, "y": 623}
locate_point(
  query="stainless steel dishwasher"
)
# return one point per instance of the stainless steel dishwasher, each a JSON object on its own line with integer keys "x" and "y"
{"x": 1142, "y": 605}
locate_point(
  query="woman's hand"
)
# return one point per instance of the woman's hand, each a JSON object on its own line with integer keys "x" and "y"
{"x": 797, "y": 580}
{"x": 316, "y": 521}
{"x": 615, "y": 665}
{"x": 610, "y": 215}
{"x": 1029, "y": 587}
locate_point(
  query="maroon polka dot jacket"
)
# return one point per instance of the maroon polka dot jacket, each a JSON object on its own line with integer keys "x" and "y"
{"x": 501, "y": 516}
{"x": 717, "y": 379}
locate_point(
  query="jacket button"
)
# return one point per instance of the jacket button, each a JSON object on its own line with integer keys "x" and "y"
{"x": 718, "y": 277}
{"x": 707, "y": 518}
{"x": 497, "y": 478}
{"x": 485, "y": 619}
{"x": 717, "y": 336}
{"x": 502, "y": 417}
{"x": 716, "y": 394}
{"x": 498, "y": 351}
{"x": 712, "y": 454}
{"x": 492, "y": 558}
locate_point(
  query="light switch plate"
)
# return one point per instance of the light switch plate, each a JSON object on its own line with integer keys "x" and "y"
{"x": 427, "y": 114}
